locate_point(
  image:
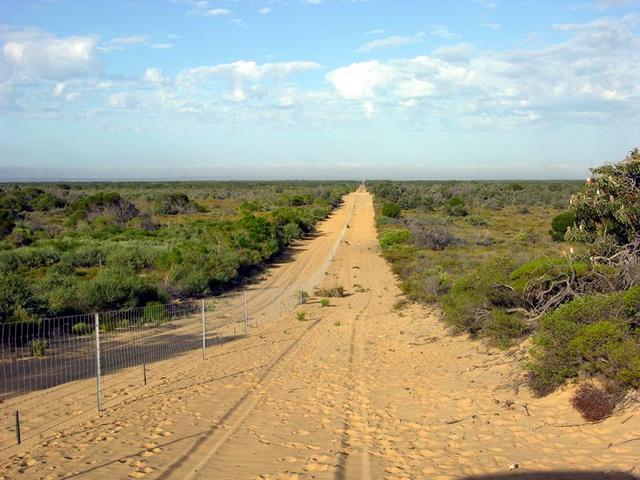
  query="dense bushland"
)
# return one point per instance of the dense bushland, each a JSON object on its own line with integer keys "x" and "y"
{"x": 85, "y": 247}
{"x": 490, "y": 254}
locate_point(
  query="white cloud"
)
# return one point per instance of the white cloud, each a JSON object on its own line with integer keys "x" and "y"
{"x": 154, "y": 75}
{"x": 122, "y": 100}
{"x": 58, "y": 89}
{"x": 265, "y": 10}
{"x": 237, "y": 75}
{"x": 606, "y": 4}
{"x": 218, "y": 12}
{"x": 442, "y": 31}
{"x": 360, "y": 80}
{"x": 32, "y": 54}
{"x": 162, "y": 46}
{"x": 591, "y": 74}
{"x": 120, "y": 43}
{"x": 392, "y": 41}
{"x": 487, "y": 4}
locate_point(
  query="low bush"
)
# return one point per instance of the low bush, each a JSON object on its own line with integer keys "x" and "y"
{"x": 392, "y": 210}
{"x": 113, "y": 289}
{"x": 456, "y": 208}
{"x": 325, "y": 302}
{"x": 38, "y": 347}
{"x": 434, "y": 238}
{"x": 155, "y": 312}
{"x": 592, "y": 334}
{"x": 560, "y": 224}
{"x": 593, "y": 403}
{"x": 393, "y": 238}
{"x": 477, "y": 221}
{"x": 301, "y": 316}
{"x": 336, "y": 291}
{"x": 81, "y": 328}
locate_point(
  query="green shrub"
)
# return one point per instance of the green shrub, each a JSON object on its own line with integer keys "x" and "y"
{"x": 17, "y": 298}
{"x": 302, "y": 316}
{"x": 113, "y": 289}
{"x": 155, "y": 312}
{"x": 392, "y": 210}
{"x": 477, "y": 221}
{"x": 476, "y": 293}
{"x": 325, "y": 302}
{"x": 81, "y": 328}
{"x": 560, "y": 224}
{"x": 394, "y": 238}
{"x": 38, "y": 347}
{"x": 592, "y": 333}
{"x": 502, "y": 327}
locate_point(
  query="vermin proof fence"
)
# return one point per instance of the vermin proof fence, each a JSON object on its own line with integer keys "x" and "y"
{"x": 45, "y": 366}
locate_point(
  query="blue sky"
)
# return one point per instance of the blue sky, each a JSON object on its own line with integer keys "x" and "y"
{"x": 316, "y": 88}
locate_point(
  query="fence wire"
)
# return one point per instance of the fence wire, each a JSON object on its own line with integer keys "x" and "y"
{"x": 43, "y": 364}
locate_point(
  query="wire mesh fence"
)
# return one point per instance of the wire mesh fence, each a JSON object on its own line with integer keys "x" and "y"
{"x": 46, "y": 365}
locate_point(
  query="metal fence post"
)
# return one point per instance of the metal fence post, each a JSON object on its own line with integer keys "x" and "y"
{"x": 98, "y": 372}
{"x": 18, "y": 437}
{"x": 246, "y": 315}
{"x": 204, "y": 341}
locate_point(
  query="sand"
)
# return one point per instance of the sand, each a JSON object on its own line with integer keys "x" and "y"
{"x": 356, "y": 390}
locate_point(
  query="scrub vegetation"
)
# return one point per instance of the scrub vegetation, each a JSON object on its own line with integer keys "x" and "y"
{"x": 83, "y": 247}
{"x": 555, "y": 261}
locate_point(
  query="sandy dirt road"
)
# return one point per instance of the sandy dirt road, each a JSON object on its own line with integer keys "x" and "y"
{"x": 355, "y": 390}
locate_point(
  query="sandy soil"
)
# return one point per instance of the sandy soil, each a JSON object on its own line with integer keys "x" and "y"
{"x": 355, "y": 390}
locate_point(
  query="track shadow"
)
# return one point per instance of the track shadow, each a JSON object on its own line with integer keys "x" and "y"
{"x": 556, "y": 475}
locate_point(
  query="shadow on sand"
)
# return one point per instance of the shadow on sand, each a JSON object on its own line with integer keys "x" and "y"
{"x": 556, "y": 475}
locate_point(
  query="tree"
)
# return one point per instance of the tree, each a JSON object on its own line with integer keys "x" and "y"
{"x": 609, "y": 206}
{"x": 607, "y": 214}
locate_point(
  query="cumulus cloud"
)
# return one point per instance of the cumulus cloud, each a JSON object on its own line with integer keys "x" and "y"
{"x": 154, "y": 75}
{"x": 238, "y": 74}
{"x": 32, "y": 54}
{"x": 360, "y": 80}
{"x": 583, "y": 76}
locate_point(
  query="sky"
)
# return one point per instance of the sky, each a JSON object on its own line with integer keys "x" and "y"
{"x": 316, "y": 89}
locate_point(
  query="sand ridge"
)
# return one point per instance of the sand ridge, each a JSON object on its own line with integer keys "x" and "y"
{"x": 357, "y": 390}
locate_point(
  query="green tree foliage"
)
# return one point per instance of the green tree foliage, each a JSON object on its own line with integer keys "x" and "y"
{"x": 92, "y": 247}
{"x": 175, "y": 203}
{"x": 560, "y": 225}
{"x": 609, "y": 206}
{"x": 391, "y": 210}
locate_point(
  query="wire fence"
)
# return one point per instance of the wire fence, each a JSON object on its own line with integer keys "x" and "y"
{"x": 45, "y": 365}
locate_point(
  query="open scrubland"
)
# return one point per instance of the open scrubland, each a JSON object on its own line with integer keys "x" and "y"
{"x": 83, "y": 247}
{"x": 553, "y": 262}
{"x": 365, "y": 379}
{"x": 349, "y": 387}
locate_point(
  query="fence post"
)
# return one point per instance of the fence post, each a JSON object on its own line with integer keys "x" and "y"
{"x": 144, "y": 373}
{"x": 18, "y": 438}
{"x": 246, "y": 315}
{"x": 204, "y": 341}
{"x": 98, "y": 372}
